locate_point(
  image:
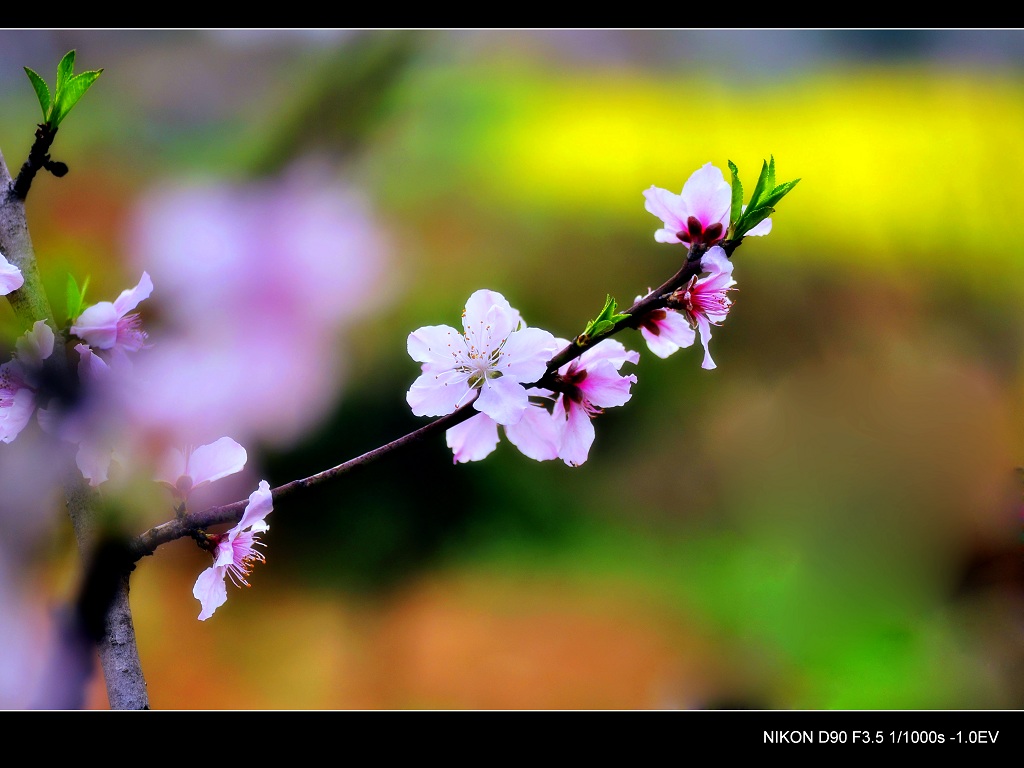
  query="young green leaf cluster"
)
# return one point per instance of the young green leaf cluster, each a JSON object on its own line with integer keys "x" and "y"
{"x": 762, "y": 200}
{"x": 66, "y": 93}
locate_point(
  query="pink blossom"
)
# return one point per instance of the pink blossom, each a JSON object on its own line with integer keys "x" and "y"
{"x": 183, "y": 471}
{"x": 590, "y": 383}
{"x": 18, "y": 380}
{"x": 109, "y": 327}
{"x": 494, "y": 355}
{"x": 704, "y": 301}
{"x": 699, "y": 215}
{"x": 665, "y": 331}
{"x": 11, "y": 278}
{"x": 234, "y": 553}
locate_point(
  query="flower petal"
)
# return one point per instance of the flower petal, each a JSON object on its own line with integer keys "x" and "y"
{"x": 435, "y": 344}
{"x": 674, "y": 332}
{"x": 15, "y": 416}
{"x": 261, "y": 504}
{"x": 93, "y": 460}
{"x": 438, "y": 394}
{"x": 11, "y": 278}
{"x": 668, "y": 207}
{"x": 536, "y": 434}
{"x": 604, "y": 387}
{"x": 210, "y": 590}
{"x": 97, "y": 325}
{"x": 35, "y": 345}
{"x": 611, "y": 350}
{"x": 708, "y": 196}
{"x": 488, "y": 320}
{"x": 525, "y": 354}
{"x": 504, "y": 400}
{"x": 716, "y": 262}
{"x": 704, "y": 327}
{"x": 172, "y": 466}
{"x": 215, "y": 460}
{"x": 577, "y": 437}
{"x": 130, "y": 298}
{"x": 473, "y": 439}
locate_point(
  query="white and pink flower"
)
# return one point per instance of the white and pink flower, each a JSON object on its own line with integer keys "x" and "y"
{"x": 234, "y": 553}
{"x": 704, "y": 301}
{"x": 493, "y": 356}
{"x": 699, "y": 215}
{"x": 590, "y": 383}
{"x": 184, "y": 471}
{"x": 666, "y": 331}
{"x": 112, "y": 327}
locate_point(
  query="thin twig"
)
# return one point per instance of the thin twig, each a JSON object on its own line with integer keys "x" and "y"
{"x": 186, "y": 525}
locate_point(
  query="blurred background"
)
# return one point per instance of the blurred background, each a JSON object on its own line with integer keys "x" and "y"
{"x": 831, "y": 519}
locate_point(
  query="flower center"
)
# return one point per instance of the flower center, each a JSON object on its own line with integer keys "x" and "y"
{"x": 695, "y": 233}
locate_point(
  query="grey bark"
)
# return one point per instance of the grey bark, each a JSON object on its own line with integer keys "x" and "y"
{"x": 119, "y": 656}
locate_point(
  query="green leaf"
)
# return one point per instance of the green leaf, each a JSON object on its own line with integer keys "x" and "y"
{"x": 759, "y": 188}
{"x": 778, "y": 193}
{"x": 74, "y": 296}
{"x": 605, "y": 321}
{"x": 42, "y": 92}
{"x": 737, "y": 195}
{"x": 64, "y": 70}
{"x": 69, "y": 95}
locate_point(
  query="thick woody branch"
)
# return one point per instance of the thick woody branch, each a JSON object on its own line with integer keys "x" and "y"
{"x": 29, "y": 302}
{"x": 119, "y": 656}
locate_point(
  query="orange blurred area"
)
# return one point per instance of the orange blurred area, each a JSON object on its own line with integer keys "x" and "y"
{"x": 449, "y": 641}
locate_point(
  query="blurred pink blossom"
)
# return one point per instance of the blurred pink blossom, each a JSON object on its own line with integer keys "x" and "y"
{"x": 184, "y": 471}
{"x": 18, "y": 380}
{"x": 257, "y": 285}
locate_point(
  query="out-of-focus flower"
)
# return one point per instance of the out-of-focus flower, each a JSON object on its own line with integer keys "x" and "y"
{"x": 590, "y": 383}
{"x": 86, "y": 426}
{"x": 234, "y": 553}
{"x": 108, "y": 326}
{"x": 183, "y": 471}
{"x": 495, "y": 354}
{"x": 279, "y": 267}
{"x": 11, "y": 278}
{"x": 699, "y": 215}
{"x": 19, "y": 378}
{"x": 704, "y": 301}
